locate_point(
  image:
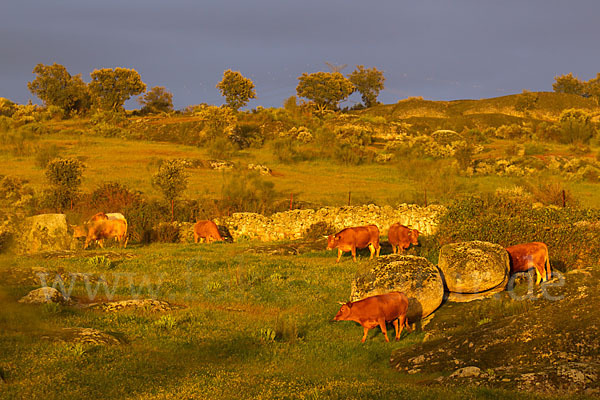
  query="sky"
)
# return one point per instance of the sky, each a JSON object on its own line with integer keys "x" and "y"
{"x": 437, "y": 49}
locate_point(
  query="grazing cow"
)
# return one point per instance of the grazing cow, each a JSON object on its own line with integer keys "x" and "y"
{"x": 530, "y": 255}
{"x": 376, "y": 311}
{"x": 102, "y": 216}
{"x": 350, "y": 239}
{"x": 207, "y": 230}
{"x": 401, "y": 237}
{"x": 79, "y": 232}
{"x": 107, "y": 229}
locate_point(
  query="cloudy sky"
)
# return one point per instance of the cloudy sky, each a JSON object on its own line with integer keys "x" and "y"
{"x": 438, "y": 49}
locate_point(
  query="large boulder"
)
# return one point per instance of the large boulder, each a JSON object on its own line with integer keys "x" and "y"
{"x": 45, "y": 232}
{"x": 419, "y": 279}
{"x": 473, "y": 270}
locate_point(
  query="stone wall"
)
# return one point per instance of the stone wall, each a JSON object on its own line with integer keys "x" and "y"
{"x": 294, "y": 224}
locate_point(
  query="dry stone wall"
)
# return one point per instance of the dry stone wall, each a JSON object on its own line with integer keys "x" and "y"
{"x": 294, "y": 224}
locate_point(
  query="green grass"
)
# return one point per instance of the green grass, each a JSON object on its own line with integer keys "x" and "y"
{"x": 216, "y": 347}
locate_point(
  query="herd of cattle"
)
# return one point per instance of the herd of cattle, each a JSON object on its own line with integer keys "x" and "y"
{"x": 369, "y": 312}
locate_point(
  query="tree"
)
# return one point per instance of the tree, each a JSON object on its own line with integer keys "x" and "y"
{"x": 111, "y": 88}
{"x": 171, "y": 179}
{"x": 65, "y": 176}
{"x": 576, "y": 126}
{"x": 368, "y": 82}
{"x": 326, "y": 89}
{"x": 592, "y": 88}
{"x": 156, "y": 100}
{"x": 568, "y": 84}
{"x": 56, "y": 87}
{"x": 236, "y": 89}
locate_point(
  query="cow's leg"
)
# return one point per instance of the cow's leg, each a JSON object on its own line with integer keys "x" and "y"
{"x": 353, "y": 253}
{"x": 101, "y": 243}
{"x": 383, "y": 329}
{"x": 372, "y": 250}
{"x": 365, "y": 330}
{"x": 399, "y": 325}
{"x": 378, "y": 249}
{"x": 339, "y": 255}
{"x": 538, "y": 276}
{"x": 394, "y": 248}
{"x": 126, "y": 240}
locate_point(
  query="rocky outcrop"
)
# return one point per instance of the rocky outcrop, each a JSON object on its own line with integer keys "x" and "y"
{"x": 44, "y": 295}
{"x": 472, "y": 270}
{"x": 295, "y": 223}
{"x": 45, "y": 232}
{"x": 83, "y": 336}
{"x": 135, "y": 304}
{"x": 414, "y": 276}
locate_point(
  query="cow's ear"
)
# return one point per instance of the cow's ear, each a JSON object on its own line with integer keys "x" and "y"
{"x": 349, "y": 304}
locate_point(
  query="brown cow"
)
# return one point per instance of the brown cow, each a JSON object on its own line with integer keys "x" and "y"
{"x": 401, "y": 237}
{"x": 79, "y": 231}
{"x": 350, "y": 239}
{"x": 206, "y": 230}
{"x": 530, "y": 255}
{"x": 377, "y": 310}
{"x": 102, "y": 216}
{"x": 107, "y": 229}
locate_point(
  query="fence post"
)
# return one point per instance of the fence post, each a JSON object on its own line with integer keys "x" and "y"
{"x": 564, "y": 198}
{"x": 349, "y": 195}
{"x": 291, "y": 200}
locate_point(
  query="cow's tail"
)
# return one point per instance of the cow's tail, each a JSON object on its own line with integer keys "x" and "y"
{"x": 548, "y": 270}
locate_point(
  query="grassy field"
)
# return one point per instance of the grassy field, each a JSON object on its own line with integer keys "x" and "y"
{"x": 251, "y": 326}
{"x": 317, "y": 182}
{"x": 246, "y": 324}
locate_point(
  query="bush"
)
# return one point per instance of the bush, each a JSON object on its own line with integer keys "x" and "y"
{"x": 113, "y": 197}
{"x": 508, "y": 222}
{"x": 142, "y": 217}
{"x": 576, "y": 126}
{"x": 220, "y": 147}
{"x": 249, "y": 192}
{"x": 166, "y": 233}
{"x": 531, "y": 149}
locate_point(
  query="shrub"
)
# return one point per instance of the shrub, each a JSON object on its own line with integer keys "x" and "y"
{"x": 166, "y": 233}
{"x": 142, "y": 216}
{"x": 507, "y": 222}
{"x": 113, "y": 197}
{"x": 220, "y": 147}
{"x": 248, "y": 192}
{"x": 318, "y": 230}
{"x": 531, "y": 149}
{"x": 353, "y": 135}
{"x": 65, "y": 176}
{"x": 576, "y": 126}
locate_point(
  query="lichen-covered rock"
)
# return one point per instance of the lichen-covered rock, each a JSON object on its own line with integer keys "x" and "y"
{"x": 415, "y": 276}
{"x": 44, "y": 295}
{"x": 45, "y": 232}
{"x": 83, "y": 336}
{"x": 476, "y": 267}
{"x": 134, "y": 304}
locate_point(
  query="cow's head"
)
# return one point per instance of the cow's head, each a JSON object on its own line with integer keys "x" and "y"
{"x": 79, "y": 231}
{"x": 344, "y": 313}
{"x": 414, "y": 236}
{"x": 332, "y": 242}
